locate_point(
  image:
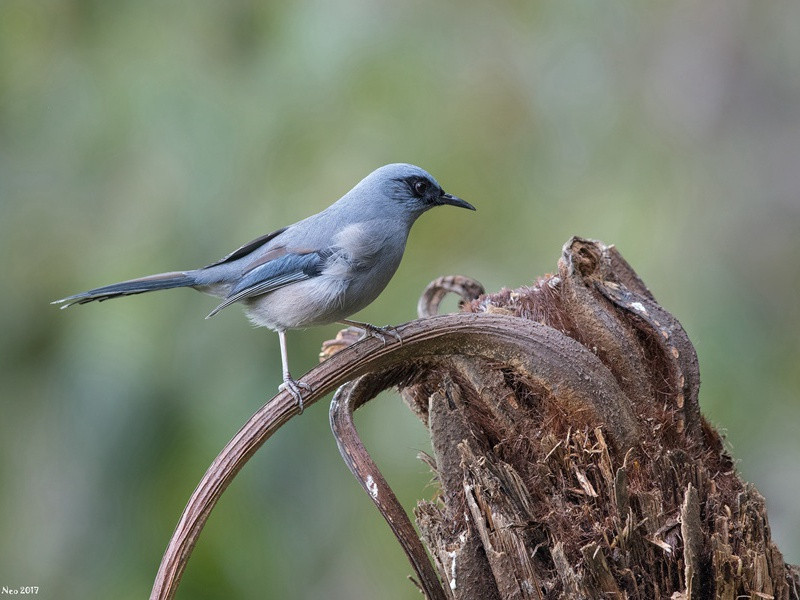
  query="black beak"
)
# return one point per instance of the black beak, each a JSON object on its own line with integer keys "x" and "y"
{"x": 454, "y": 201}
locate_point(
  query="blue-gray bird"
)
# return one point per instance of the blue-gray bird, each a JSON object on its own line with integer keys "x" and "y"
{"x": 318, "y": 271}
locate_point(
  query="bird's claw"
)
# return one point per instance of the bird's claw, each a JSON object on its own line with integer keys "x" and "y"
{"x": 295, "y": 388}
{"x": 380, "y": 333}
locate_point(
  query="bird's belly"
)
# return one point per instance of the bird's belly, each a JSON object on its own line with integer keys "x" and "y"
{"x": 313, "y": 302}
{"x": 319, "y": 301}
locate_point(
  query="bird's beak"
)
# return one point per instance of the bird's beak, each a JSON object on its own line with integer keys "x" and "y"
{"x": 454, "y": 201}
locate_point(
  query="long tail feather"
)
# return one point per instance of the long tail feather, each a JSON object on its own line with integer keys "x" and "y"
{"x": 161, "y": 281}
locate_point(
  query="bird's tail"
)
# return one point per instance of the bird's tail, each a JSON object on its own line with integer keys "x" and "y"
{"x": 161, "y": 281}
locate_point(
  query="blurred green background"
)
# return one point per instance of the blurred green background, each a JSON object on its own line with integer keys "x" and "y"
{"x": 138, "y": 137}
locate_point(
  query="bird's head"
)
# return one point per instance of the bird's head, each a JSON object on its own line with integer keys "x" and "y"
{"x": 406, "y": 189}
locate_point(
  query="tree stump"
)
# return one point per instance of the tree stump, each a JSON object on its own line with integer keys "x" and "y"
{"x": 582, "y": 470}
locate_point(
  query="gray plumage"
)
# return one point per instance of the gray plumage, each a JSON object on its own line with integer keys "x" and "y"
{"x": 317, "y": 271}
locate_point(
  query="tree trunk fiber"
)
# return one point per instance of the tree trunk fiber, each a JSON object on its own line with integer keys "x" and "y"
{"x": 593, "y": 475}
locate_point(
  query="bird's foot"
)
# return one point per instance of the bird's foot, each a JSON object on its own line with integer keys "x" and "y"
{"x": 295, "y": 388}
{"x": 380, "y": 333}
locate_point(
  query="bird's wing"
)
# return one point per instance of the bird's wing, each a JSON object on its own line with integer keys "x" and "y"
{"x": 265, "y": 277}
{"x": 247, "y": 248}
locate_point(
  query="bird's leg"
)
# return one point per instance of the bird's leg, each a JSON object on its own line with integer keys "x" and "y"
{"x": 373, "y": 331}
{"x": 294, "y": 387}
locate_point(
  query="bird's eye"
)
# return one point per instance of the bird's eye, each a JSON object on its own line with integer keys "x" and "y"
{"x": 420, "y": 187}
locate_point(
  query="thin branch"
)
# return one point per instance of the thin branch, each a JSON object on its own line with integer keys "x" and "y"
{"x": 347, "y": 399}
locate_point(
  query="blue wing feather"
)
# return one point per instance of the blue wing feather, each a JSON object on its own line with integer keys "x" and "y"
{"x": 273, "y": 275}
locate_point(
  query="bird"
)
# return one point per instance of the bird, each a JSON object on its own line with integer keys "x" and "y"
{"x": 318, "y": 271}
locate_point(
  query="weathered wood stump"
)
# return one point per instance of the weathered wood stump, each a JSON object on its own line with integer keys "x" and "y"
{"x": 584, "y": 470}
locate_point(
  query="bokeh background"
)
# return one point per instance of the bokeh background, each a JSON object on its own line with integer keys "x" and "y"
{"x": 138, "y": 137}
